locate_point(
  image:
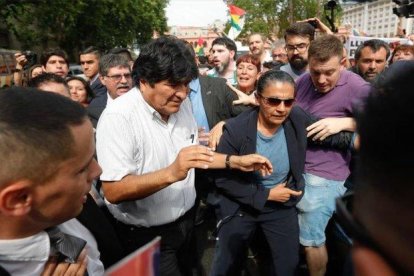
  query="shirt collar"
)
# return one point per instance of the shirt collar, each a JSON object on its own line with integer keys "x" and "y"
{"x": 33, "y": 248}
{"x": 194, "y": 85}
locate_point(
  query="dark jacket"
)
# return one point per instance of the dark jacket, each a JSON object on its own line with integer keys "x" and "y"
{"x": 236, "y": 188}
{"x": 218, "y": 100}
{"x": 96, "y": 107}
{"x": 95, "y": 220}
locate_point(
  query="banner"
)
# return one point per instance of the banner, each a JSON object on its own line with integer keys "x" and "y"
{"x": 145, "y": 261}
{"x": 237, "y": 18}
{"x": 354, "y": 41}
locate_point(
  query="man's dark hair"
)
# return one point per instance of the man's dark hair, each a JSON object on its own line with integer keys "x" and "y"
{"x": 165, "y": 58}
{"x": 123, "y": 52}
{"x": 226, "y": 42}
{"x": 385, "y": 188}
{"x": 109, "y": 61}
{"x": 53, "y": 52}
{"x": 303, "y": 29}
{"x": 91, "y": 50}
{"x": 325, "y": 47}
{"x": 274, "y": 76}
{"x": 45, "y": 78}
{"x": 35, "y": 134}
{"x": 375, "y": 45}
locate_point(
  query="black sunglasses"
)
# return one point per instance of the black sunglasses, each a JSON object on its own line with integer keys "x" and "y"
{"x": 354, "y": 229}
{"x": 273, "y": 101}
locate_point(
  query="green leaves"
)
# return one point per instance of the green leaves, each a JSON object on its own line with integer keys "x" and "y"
{"x": 75, "y": 24}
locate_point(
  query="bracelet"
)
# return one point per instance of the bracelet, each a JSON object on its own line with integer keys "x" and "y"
{"x": 228, "y": 161}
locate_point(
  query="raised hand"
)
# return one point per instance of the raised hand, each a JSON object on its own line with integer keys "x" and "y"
{"x": 195, "y": 156}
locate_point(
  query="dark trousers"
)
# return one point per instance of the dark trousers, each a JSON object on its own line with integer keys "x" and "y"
{"x": 175, "y": 256}
{"x": 281, "y": 231}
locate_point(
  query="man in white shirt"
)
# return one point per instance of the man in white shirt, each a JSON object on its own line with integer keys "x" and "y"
{"x": 147, "y": 146}
{"x": 47, "y": 168}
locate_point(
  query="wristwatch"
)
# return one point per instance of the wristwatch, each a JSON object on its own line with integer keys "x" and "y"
{"x": 228, "y": 161}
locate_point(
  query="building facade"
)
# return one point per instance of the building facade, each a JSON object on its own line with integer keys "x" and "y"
{"x": 375, "y": 18}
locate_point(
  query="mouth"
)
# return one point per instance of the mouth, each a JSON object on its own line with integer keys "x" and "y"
{"x": 123, "y": 89}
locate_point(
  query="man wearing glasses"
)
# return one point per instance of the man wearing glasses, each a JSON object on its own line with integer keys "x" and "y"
{"x": 298, "y": 37}
{"x": 326, "y": 91}
{"x": 115, "y": 75}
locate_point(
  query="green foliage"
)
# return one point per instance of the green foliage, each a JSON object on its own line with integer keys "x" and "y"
{"x": 272, "y": 17}
{"x": 75, "y": 24}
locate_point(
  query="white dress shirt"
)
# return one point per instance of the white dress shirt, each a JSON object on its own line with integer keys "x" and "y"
{"x": 132, "y": 139}
{"x": 28, "y": 256}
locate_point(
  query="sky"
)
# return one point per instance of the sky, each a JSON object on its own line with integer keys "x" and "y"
{"x": 195, "y": 12}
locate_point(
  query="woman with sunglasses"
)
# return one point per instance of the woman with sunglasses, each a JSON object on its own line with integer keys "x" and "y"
{"x": 247, "y": 201}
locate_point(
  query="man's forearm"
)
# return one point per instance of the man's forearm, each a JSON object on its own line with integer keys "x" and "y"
{"x": 133, "y": 187}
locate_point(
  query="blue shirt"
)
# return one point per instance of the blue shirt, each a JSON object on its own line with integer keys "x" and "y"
{"x": 197, "y": 104}
{"x": 275, "y": 149}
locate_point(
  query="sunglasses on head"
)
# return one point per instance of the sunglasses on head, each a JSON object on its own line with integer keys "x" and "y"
{"x": 273, "y": 101}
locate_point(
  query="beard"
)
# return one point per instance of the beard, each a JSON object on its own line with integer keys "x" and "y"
{"x": 223, "y": 66}
{"x": 298, "y": 63}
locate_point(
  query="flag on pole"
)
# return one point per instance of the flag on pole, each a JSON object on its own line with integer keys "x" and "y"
{"x": 237, "y": 17}
{"x": 199, "y": 49}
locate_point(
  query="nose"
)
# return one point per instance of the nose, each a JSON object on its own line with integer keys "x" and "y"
{"x": 321, "y": 79}
{"x": 372, "y": 64}
{"x": 123, "y": 79}
{"x": 181, "y": 91}
{"x": 281, "y": 107}
{"x": 94, "y": 170}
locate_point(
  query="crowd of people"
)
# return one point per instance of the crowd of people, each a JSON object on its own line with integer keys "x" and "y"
{"x": 292, "y": 150}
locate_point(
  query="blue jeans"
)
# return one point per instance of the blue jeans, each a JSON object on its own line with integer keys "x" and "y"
{"x": 316, "y": 208}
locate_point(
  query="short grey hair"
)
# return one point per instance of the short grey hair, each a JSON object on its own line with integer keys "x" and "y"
{"x": 109, "y": 61}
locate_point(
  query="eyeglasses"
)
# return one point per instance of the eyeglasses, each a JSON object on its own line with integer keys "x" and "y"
{"x": 299, "y": 47}
{"x": 118, "y": 77}
{"x": 279, "y": 55}
{"x": 273, "y": 101}
{"x": 354, "y": 229}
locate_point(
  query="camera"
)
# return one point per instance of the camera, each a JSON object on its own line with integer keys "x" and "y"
{"x": 314, "y": 23}
{"x": 31, "y": 59}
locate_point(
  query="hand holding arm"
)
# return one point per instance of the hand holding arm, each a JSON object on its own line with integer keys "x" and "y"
{"x": 329, "y": 126}
{"x": 251, "y": 162}
{"x": 215, "y": 134}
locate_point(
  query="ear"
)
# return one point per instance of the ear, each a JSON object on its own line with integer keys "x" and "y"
{"x": 343, "y": 62}
{"x": 368, "y": 262}
{"x": 232, "y": 54}
{"x": 143, "y": 84}
{"x": 43, "y": 69}
{"x": 102, "y": 79}
{"x": 16, "y": 198}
